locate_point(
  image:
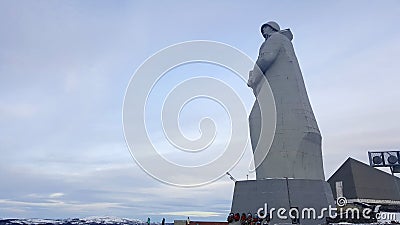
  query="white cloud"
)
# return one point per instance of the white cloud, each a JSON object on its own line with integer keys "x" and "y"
{"x": 56, "y": 195}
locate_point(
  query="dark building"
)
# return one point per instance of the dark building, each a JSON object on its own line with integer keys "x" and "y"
{"x": 359, "y": 182}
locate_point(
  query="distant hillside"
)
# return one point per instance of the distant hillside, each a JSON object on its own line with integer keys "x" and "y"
{"x": 88, "y": 221}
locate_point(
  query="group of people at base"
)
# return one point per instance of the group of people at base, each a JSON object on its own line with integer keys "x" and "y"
{"x": 249, "y": 219}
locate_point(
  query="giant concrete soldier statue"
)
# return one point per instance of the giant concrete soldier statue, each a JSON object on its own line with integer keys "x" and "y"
{"x": 290, "y": 173}
{"x": 296, "y": 149}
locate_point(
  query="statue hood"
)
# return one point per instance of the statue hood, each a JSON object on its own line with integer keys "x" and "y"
{"x": 287, "y": 33}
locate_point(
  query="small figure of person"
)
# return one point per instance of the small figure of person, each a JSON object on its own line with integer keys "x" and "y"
{"x": 243, "y": 219}
{"x": 230, "y": 217}
{"x": 255, "y": 219}
{"x": 163, "y": 221}
{"x": 249, "y": 218}
{"x": 188, "y": 221}
{"x": 236, "y": 217}
{"x": 148, "y": 220}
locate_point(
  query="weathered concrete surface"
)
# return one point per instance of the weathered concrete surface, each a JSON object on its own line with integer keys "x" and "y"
{"x": 296, "y": 148}
{"x": 249, "y": 196}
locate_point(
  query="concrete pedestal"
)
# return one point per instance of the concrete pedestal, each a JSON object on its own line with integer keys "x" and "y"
{"x": 251, "y": 195}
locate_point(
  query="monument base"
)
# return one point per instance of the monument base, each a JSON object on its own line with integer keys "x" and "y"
{"x": 310, "y": 197}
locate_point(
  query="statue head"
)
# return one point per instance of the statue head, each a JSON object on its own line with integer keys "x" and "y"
{"x": 268, "y": 28}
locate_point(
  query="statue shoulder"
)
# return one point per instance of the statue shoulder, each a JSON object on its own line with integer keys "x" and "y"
{"x": 277, "y": 36}
{"x": 273, "y": 42}
{"x": 287, "y": 33}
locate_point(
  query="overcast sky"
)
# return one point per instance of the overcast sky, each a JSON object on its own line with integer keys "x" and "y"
{"x": 65, "y": 66}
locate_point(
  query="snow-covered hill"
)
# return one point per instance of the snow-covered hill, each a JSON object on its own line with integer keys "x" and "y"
{"x": 93, "y": 220}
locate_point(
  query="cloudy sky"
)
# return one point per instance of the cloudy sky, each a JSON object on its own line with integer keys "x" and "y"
{"x": 65, "y": 67}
